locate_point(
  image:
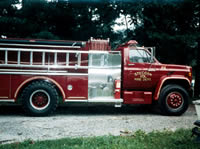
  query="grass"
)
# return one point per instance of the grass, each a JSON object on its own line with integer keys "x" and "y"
{"x": 180, "y": 139}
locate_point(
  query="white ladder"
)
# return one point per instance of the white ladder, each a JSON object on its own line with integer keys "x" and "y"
{"x": 4, "y": 61}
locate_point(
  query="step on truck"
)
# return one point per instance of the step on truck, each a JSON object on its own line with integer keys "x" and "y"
{"x": 42, "y": 74}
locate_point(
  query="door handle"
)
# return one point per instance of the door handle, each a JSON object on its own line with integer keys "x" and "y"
{"x": 131, "y": 64}
{"x": 151, "y": 70}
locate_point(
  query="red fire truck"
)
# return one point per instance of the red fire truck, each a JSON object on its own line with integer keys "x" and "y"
{"x": 41, "y": 74}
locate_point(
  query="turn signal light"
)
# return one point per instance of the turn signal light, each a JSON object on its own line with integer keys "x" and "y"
{"x": 118, "y": 84}
{"x": 117, "y": 89}
{"x": 189, "y": 74}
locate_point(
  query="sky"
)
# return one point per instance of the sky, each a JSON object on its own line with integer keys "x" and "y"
{"x": 120, "y": 23}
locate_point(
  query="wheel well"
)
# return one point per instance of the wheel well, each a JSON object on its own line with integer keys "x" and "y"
{"x": 18, "y": 98}
{"x": 180, "y": 82}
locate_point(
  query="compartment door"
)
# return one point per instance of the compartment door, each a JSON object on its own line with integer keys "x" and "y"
{"x": 103, "y": 70}
{"x": 4, "y": 87}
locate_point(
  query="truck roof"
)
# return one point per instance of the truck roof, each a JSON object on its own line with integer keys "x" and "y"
{"x": 126, "y": 44}
{"x": 91, "y": 44}
{"x": 14, "y": 42}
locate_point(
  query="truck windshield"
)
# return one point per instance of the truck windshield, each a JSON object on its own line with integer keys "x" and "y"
{"x": 139, "y": 56}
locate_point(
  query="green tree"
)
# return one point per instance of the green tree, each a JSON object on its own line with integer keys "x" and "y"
{"x": 172, "y": 28}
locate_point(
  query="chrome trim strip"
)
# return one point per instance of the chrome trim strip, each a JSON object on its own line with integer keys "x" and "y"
{"x": 43, "y": 66}
{"x": 4, "y": 97}
{"x": 58, "y": 66}
{"x": 42, "y": 50}
{"x": 154, "y": 69}
{"x": 58, "y": 51}
{"x": 31, "y": 45}
{"x": 75, "y": 100}
{"x": 7, "y": 100}
{"x": 104, "y": 67}
{"x": 45, "y": 73}
{"x": 104, "y": 52}
{"x": 32, "y": 70}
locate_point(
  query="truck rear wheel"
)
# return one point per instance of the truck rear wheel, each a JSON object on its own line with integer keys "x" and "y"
{"x": 173, "y": 100}
{"x": 40, "y": 98}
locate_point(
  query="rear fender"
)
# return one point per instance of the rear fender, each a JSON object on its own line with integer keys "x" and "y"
{"x": 21, "y": 86}
{"x": 171, "y": 79}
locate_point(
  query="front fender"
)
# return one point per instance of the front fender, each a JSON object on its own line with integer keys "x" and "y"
{"x": 166, "y": 78}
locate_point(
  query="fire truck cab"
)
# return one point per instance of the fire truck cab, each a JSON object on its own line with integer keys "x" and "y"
{"x": 41, "y": 74}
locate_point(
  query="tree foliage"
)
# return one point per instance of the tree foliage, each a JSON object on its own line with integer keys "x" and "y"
{"x": 173, "y": 28}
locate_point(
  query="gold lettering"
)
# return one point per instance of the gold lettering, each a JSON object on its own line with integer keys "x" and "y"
{"x": 142, "y": 76}
{"x": 137, "y": 79}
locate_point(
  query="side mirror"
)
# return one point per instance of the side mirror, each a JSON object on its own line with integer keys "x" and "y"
{"x": 153, "y": 53}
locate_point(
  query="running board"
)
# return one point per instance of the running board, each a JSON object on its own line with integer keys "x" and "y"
{"x": 106, "y": 100}
{"x": 97, "y": 100}
{"x": 7, "y": 100}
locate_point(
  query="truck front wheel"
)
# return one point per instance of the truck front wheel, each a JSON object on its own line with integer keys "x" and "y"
{"x": 173, "y": 100}
{"x": 40, "y": 98}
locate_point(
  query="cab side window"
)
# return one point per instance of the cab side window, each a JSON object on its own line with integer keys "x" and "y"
{"x": 139, "y": 56}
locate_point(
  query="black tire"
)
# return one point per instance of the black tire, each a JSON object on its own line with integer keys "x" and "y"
{"x": 39, "y": 98}
{"x": 173, "y": 100}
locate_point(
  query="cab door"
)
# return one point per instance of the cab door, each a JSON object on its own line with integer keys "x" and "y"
{"x": 139, "y": 71}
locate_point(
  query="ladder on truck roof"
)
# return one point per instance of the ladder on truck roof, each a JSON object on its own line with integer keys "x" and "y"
{"x": 43, "y": 52}
{"x": 48, "y": 60}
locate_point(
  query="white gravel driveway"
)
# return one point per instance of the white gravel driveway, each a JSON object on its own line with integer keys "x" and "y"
{"x": 76, "y": 121}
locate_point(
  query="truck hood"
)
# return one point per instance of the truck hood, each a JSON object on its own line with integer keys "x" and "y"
{"x": 173, "y": 67}
{"x": 177, "y": 70}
